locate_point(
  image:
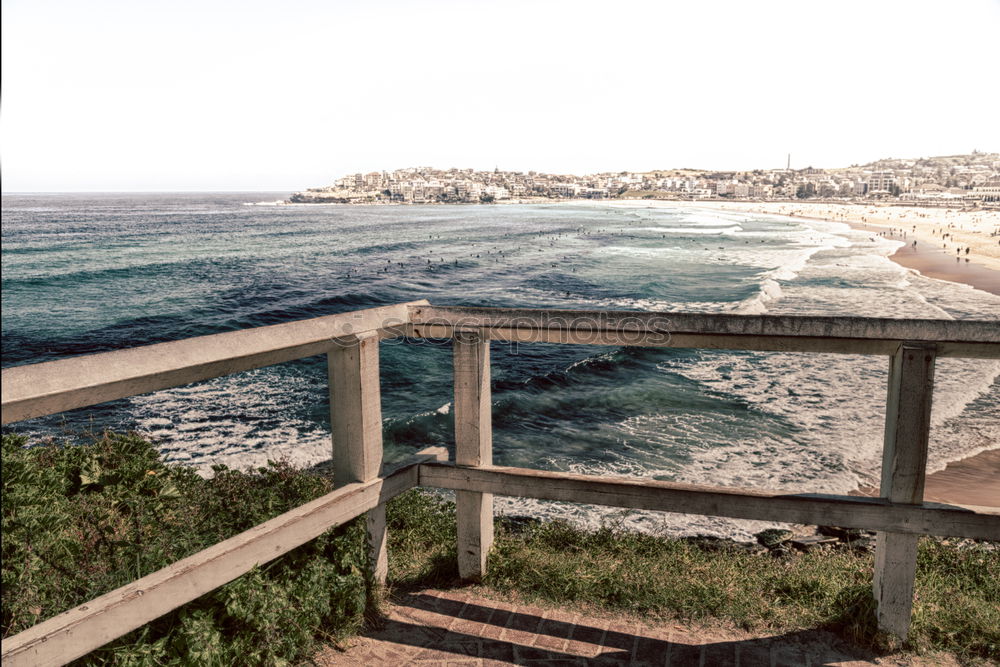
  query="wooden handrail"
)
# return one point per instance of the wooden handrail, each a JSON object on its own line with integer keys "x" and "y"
{"x": 781, "y": 333}
{"x": 41, "y": 389}
{"x": 639, "y": 493}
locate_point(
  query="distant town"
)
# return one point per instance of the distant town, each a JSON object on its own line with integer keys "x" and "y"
{"x": 972, "y": 179}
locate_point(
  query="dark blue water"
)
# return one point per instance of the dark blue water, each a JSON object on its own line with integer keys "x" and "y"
{"x": 89, "y": 273}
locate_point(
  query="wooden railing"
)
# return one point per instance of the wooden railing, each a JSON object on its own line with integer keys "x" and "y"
{"x": 362, "y": 486}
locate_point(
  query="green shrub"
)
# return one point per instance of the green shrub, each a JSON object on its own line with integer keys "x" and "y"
{"x": 79, "y": 521}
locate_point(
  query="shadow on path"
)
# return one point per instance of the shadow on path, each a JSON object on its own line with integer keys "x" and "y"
{"x": 455, "y": 628}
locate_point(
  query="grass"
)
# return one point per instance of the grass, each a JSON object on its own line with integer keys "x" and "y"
{"x": 80, "y": 521}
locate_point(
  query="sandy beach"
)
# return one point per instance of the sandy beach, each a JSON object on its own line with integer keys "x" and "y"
{"x": 971, "y": 481}
{"x": 951, "y": 244}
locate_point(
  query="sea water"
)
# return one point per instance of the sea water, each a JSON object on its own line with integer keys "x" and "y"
{"x": 91, "y": 273}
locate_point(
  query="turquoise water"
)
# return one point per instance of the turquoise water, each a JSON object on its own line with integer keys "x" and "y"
{"x": 88, "y": 273}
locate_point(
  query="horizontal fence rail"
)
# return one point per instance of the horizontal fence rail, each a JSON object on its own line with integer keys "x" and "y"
{"x": 42, "y": 389}
{"x": 350, "y": 341}
{"x": 645, "y": 494}
{"x": 776, "y": 333}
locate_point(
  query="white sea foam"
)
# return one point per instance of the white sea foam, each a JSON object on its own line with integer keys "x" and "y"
{"x": 712, "y": 219}
{"x": 699, "y": 231}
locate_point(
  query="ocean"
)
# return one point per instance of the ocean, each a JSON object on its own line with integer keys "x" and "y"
{"x": 85, "y": 273}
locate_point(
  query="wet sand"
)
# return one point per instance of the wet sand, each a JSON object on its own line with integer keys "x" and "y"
{"x": 935, "y": 262}
{"x": 971, "y": 481}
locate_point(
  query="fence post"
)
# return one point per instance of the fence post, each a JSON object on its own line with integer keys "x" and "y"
{"x": 473, "y": 447}
{"x": 356, "y": 423}
{"x": 904, "y": 463}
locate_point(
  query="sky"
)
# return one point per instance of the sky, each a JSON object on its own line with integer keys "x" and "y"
{"x": 246, "y": 95}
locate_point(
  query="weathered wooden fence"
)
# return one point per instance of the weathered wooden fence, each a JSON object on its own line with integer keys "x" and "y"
{"x": 362, "y": 485}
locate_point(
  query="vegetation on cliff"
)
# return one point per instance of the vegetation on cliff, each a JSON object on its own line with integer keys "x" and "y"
{"x": 79, "y": 521}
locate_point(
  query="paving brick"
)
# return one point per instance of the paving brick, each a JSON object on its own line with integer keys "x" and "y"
{"x": 651, "y": 651}
{"x": 497, "y": 625}
{"x": 450, "y": 651}
{"x": 496, "y": 651}
{"x": 476, "y": 612}
{"x": 755, "y": 655}
{"x": 610, "y": 658}
{"x": 455, "y": 628}
{"x": 521, "y": 620}
{"x": 551, "y": 643}
{"x": 620, "y": 636}
{"x": 788, "y": 656}
{"x": 454, "y": 594}
{"x": 439, "y": 605}
{"x": 720, "y": 653}
{"x": 589, "y": 631}
{"x": 581, "y": 649}
{"x": 523, "y": 654}
{"x": 421, "y": 617}
{"x": 553, "y": 633}
{"x": 558, "y": 625}
{"x": 424, "y": 656}
{"x": 685, "y": 655}
{"x": 464, "y": 627}
{"x": 388, "y": 654}
{"x": 521, "y": 628}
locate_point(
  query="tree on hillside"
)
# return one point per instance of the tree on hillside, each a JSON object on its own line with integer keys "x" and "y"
{"x": 805, "y": 191}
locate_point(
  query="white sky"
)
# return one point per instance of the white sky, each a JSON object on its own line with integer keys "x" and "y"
{"x": 213, "y": 95}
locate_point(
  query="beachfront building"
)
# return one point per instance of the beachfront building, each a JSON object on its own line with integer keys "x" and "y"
{"x": 881, "y": 182}
{"x": 988, "y": 192}
{"x": 496, "y": 192}
{"x": 565, "y": 189}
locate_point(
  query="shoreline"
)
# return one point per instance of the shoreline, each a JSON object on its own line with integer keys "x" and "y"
{"x": 949, "y": 230}
{"x": 962, "y": 482}
{"x": 934, "y": 262}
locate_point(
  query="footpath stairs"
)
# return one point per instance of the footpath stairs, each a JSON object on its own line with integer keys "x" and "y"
{"x": 455, "y": 627}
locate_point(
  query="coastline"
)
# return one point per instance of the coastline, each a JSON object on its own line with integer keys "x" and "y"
{"x": 941, "y": 235}
{"x": 937, "y": 263}
{"x": 971, "y": 481}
